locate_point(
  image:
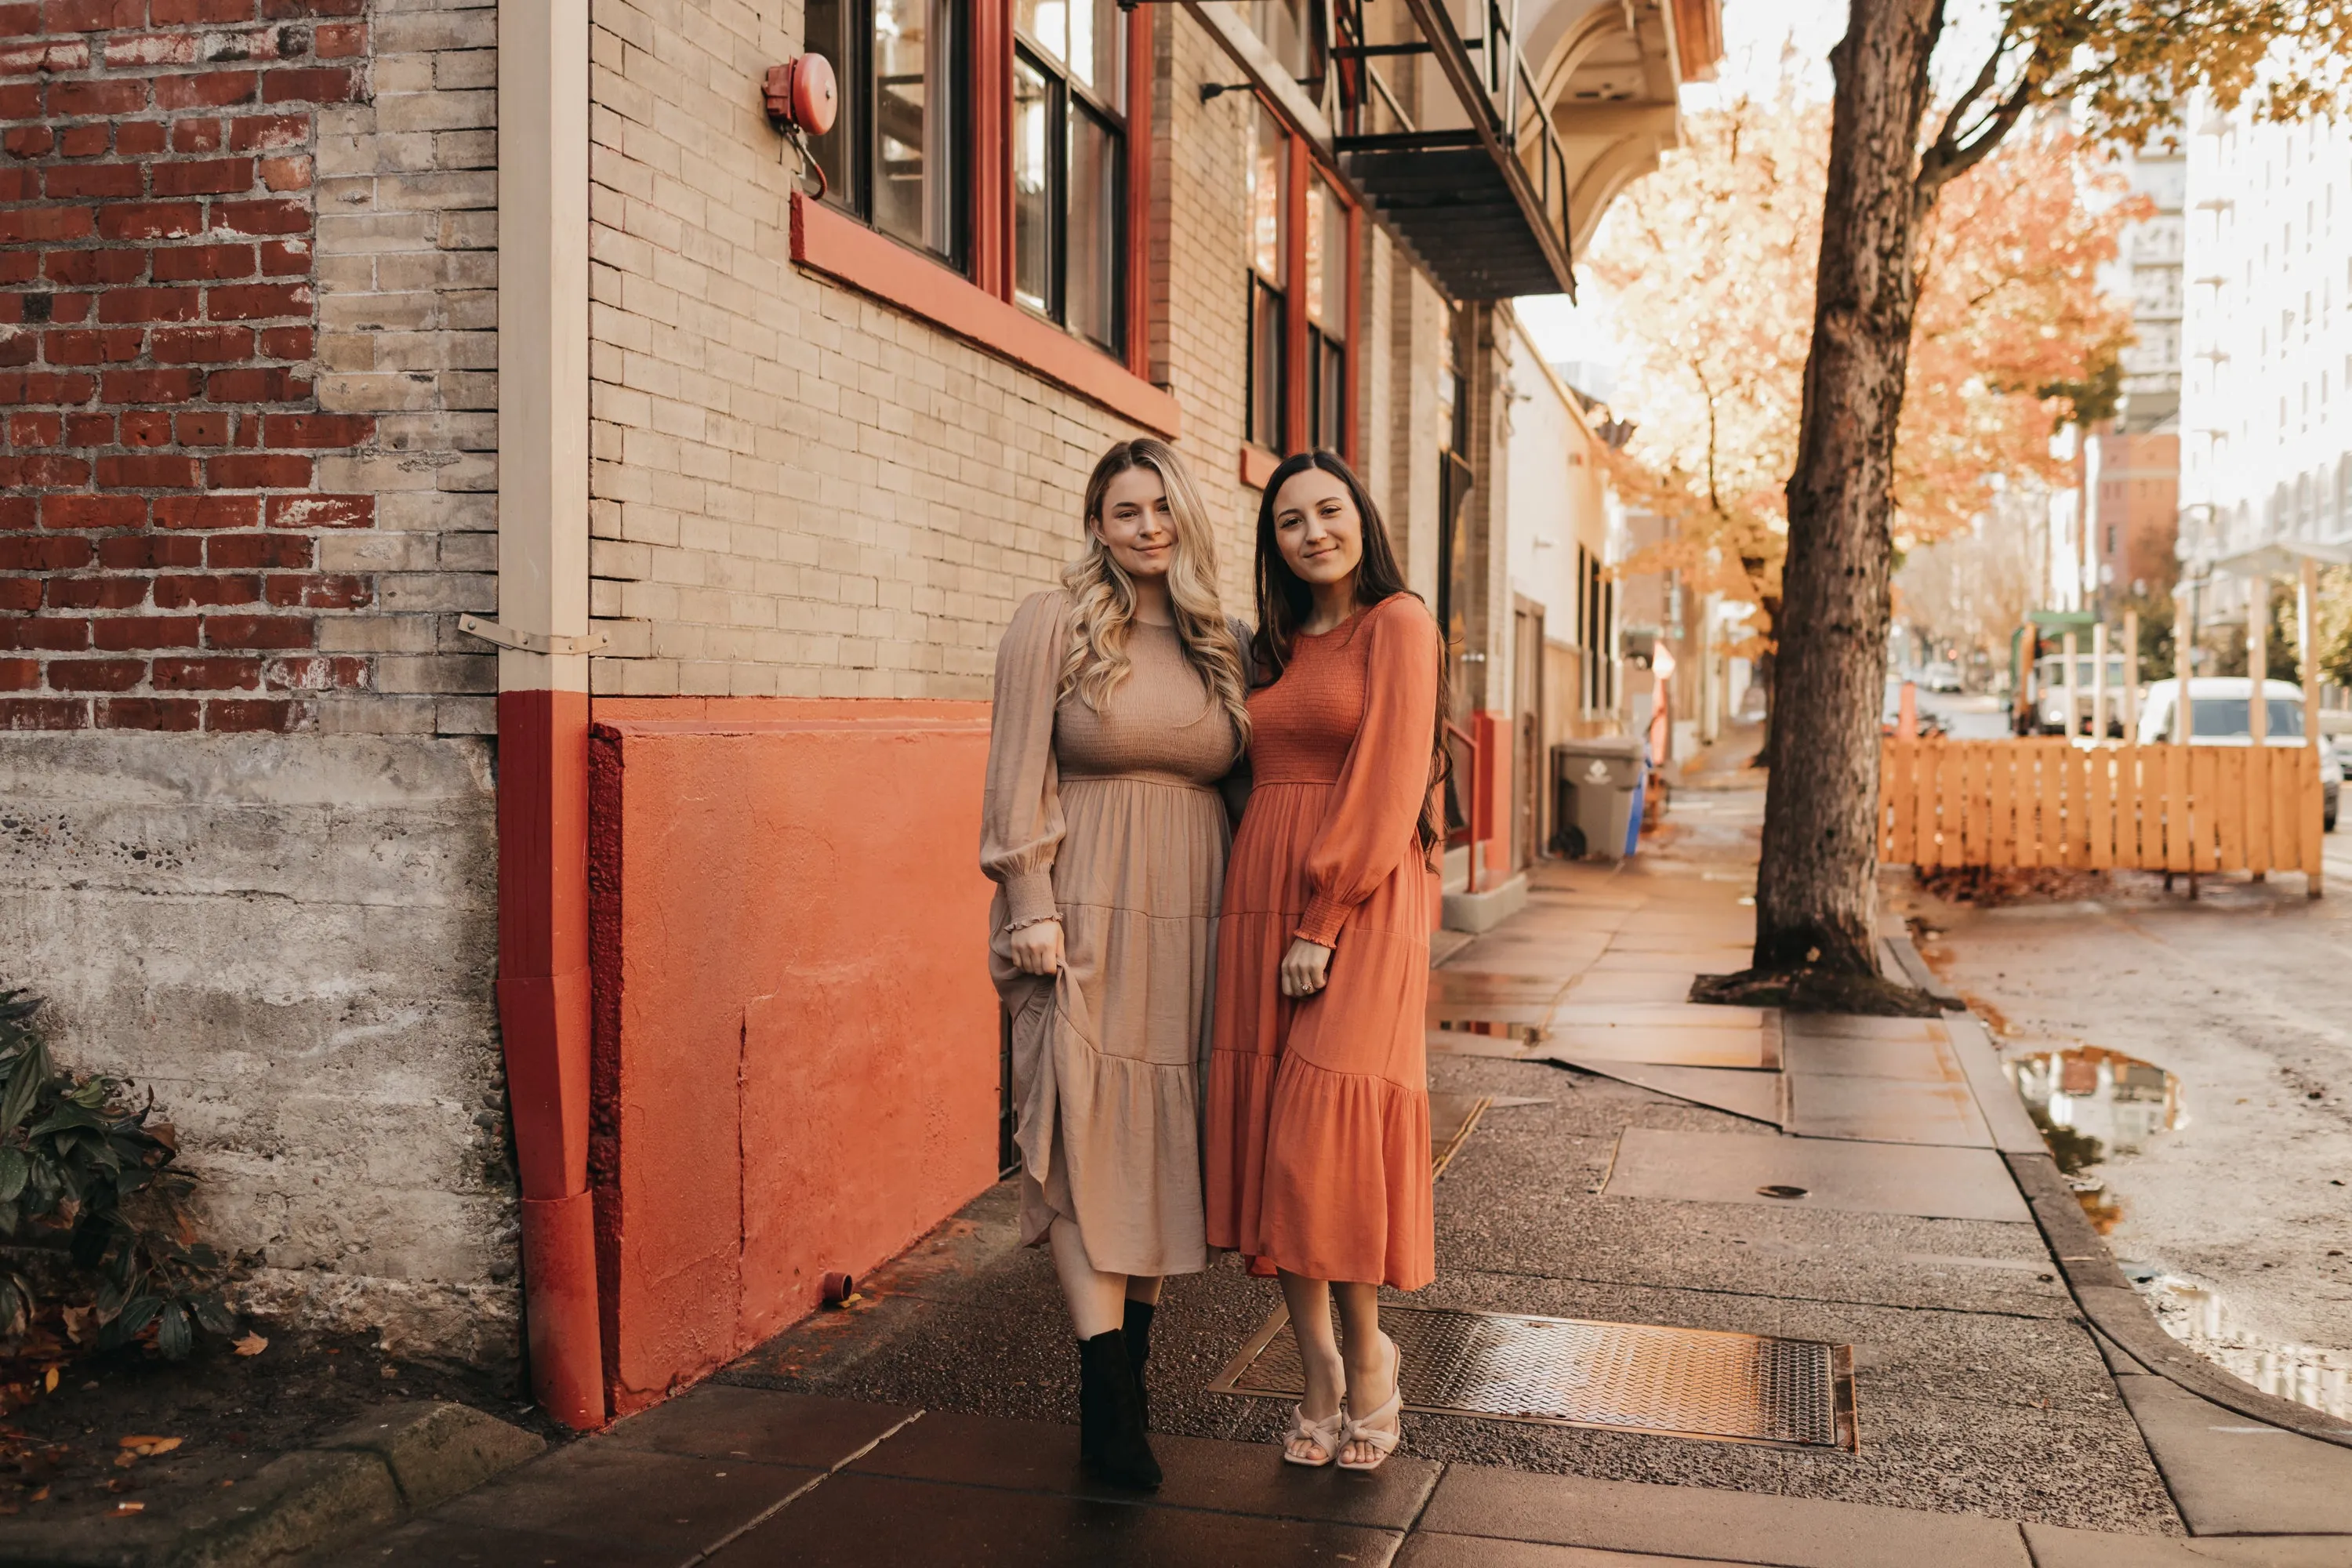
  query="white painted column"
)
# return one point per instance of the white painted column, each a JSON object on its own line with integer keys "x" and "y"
{"x": 542, "y": 340}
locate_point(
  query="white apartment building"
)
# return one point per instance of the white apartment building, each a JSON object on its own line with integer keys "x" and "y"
{"x": 2147, "y": 272}
{"x": 2267, "y": 395}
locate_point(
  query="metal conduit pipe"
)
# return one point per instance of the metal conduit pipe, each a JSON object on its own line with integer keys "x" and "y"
{"x": 543, "y": 643}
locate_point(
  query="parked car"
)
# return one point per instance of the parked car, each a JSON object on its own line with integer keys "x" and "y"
{"x": 2050, "y": 685}
{"x": 2218, "y": 715}
{"x": 1941, "y": 676}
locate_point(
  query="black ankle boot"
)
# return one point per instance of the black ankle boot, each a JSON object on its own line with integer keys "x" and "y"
{"x": 1138, "y": 1351}
{"x": 1111, "y": 1422}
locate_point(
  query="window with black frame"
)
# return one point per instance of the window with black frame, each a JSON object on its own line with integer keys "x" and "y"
{"x": 897, "y": 154}
{"x": 1327, "y": 317}
{"x": 1269, "y": 277}
{"x": 1069, "y": 166}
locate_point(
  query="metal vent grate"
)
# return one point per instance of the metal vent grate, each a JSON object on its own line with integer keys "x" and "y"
{"x": 1566, "y": 1372}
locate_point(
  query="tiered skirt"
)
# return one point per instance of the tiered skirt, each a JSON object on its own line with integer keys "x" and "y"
{"x": 1317, "y": 1141}
{"x": 1107, "y": 1055}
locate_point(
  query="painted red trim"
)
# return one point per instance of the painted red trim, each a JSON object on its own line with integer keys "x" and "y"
{"x": 724, "y": 710}
{"x": 1490, "y": 819}
{"x": 1137, "y": 237}
{"x": 1351, "y": 440}
{"x": 1295, "y": 434}
{"x": 843, "y": 249}
{"x": 563, "y": 1327}
{"x": 1257, "y": 465}
{"x": 542, "y": 819}
{"x": 992, "y": 148}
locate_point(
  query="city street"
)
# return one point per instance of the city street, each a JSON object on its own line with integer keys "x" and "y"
{"x": 644, "y": 648}
{"x": 2224, "y": 1189}
{"x": 928, "y": 1422}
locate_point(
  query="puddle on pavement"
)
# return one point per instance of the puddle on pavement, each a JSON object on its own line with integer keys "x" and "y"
{"x": 2199, "y": 1317}
{"x": 2090, "y": 1103}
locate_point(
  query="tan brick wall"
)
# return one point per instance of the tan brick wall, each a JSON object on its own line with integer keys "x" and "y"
{"x": 797, "y": 489}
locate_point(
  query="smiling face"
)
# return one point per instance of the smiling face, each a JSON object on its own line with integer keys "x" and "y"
{"x": 1318, "y": 528}
{"x": 1136, "y": 525}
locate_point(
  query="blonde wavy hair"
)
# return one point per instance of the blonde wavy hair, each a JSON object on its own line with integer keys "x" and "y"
{"x": 1104, "y": 596}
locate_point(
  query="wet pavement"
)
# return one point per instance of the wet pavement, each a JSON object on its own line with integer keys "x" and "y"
{"x": 2195, "y": 1063}
{"x": 932, "y": 1421}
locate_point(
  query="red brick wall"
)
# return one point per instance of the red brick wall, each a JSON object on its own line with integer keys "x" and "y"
{"x": 160, "y": 516}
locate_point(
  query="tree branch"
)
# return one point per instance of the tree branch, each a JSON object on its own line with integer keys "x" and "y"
{"x": 1954, "y": 151}
{"x": 1949, "y": 134}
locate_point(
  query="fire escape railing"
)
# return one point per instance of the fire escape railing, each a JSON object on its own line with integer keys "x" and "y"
{"x": 1489, "y": 77}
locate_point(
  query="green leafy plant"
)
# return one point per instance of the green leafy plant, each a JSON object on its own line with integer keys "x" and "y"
{"x": 94, "y": 1222}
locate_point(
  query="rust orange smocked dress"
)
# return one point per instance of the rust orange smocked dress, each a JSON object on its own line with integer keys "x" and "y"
{"x": 1317, "y": 1143}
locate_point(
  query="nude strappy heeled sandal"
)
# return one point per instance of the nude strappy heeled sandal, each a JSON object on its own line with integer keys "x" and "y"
{"x": 1383, "y": 1442}
{"x": 1325, "y": 1434}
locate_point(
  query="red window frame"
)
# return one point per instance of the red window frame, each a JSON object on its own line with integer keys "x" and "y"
{"x": 1304, "y": 171}
{"x": 979, "y": 305}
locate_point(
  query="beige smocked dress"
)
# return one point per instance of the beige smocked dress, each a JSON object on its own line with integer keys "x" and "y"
{"x": 1113, "y": 822}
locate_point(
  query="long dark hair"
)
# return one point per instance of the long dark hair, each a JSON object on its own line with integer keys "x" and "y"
{"x": 1284, "y": 604}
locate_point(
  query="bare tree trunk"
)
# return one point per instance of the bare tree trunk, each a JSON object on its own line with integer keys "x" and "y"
{"x": 1814, "y": 893}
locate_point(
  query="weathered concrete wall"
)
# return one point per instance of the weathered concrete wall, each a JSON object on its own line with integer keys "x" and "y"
{"x": 291, "y": 941}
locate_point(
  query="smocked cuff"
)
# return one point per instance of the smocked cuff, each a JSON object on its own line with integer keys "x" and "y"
{"x": 1029, "y": 899}
{"x": 1320, "y": 924}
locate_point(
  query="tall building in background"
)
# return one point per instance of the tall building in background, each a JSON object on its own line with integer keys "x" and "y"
{"x": 2266, "y": 404}
{"x": 2131, "y": 467}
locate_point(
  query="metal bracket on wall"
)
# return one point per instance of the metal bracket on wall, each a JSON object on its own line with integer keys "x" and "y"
{"x": 529, "y": 642}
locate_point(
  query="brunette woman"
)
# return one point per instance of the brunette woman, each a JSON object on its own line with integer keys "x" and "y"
{"x": 1319, "y": 1099}
{"x": 1120, "y": 705}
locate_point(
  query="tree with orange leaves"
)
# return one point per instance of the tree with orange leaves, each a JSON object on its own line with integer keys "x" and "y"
{"x": 1709, "y": 265}
{"x": 2129, "y": 70}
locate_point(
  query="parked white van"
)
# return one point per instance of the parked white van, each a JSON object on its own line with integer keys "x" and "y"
{"x": 2219, "y": 716}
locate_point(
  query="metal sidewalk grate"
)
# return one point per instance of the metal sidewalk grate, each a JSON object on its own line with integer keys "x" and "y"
{"x": 1566, "y": 1372}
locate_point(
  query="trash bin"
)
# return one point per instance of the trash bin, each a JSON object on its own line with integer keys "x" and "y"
{"x": 1593, "y": 788}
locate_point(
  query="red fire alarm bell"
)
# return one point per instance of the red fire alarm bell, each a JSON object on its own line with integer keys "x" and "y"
{"x": 802, "y": 94}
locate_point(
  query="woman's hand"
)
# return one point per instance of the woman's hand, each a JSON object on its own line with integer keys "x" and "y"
{"x": 1305, "y": 968}
{"x": 1037, "y": 949}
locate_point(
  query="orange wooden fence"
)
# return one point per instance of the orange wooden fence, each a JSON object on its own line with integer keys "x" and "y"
{"x": 2048, "y": 802}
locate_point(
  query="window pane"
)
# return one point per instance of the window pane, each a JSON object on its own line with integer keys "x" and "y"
{"x": 1269, "y": 206}
{"x": 910, "y": 105}
{"x": 1098, "y": 31}
{"x": 1327, "y": 261}
{"x": 2220, "y": 717}
{"x": 1330, "y": 391}
{"x": 1047, "y": 22}
{"x": 1033, "y": 211}
{"x": 1093, "y": 228}
{"x": 1281, "y": 26}
{"x": 1266, "y": 366}
{"x": 828, "y": 34}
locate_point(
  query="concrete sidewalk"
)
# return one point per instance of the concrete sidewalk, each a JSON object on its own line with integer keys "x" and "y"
{"x": 929, "y": 1424}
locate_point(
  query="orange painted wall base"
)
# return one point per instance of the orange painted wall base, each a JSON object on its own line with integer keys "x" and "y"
{"x": 795, "y": 1038}
{"x": 1495, "y": 812}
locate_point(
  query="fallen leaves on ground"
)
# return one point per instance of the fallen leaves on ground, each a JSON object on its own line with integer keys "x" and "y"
{"x": 252, "y": 1344}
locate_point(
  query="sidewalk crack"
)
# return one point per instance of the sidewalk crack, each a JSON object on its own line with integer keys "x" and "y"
{"x": 798, "y": 1492}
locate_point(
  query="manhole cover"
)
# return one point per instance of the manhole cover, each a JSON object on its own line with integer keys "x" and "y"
{"x": 1780, "y": 1190}
{"x": 1567, "y": 1371}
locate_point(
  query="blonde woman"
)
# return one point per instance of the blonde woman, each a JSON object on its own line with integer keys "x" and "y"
{"x": 1120, "y": 706}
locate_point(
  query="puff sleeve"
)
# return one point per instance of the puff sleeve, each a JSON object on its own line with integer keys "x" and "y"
{"x": 1020, "y": 807}
{"x": 1384, "y": 788}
